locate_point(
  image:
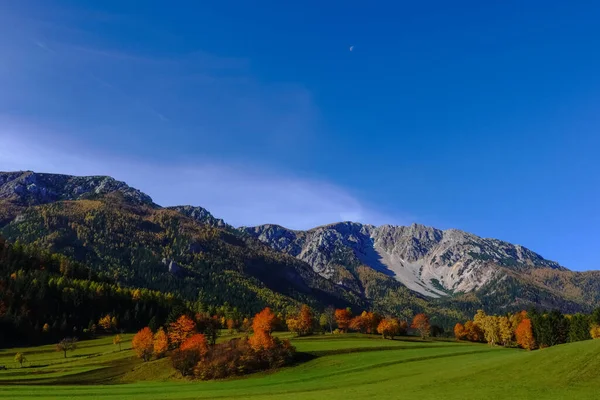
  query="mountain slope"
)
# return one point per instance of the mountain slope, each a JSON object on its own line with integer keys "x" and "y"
{"x": 459, "y": 269}
{"x": 400, "y": 270}
{"x": 124, "y": 236}
{"x": 426, "y": 260}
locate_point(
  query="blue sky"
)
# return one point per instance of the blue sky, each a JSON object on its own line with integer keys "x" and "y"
{"x": 482, "y": 117}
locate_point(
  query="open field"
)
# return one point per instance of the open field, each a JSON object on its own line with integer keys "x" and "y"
{"x": 338, "y": 367}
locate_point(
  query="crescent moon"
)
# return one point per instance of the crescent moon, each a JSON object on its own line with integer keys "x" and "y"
{"x": 351, "y": 48}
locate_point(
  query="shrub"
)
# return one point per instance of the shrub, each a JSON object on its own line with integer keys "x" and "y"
{"x": 239, "y": 357}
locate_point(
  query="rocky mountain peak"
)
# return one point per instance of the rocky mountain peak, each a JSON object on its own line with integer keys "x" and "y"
{"x": 430, "y": 261}
{"x": 200, "y": 215}
{"x": 31, "y": 188}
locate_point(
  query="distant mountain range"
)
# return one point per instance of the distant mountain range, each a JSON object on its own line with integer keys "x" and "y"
{"x": 120, "y": 231}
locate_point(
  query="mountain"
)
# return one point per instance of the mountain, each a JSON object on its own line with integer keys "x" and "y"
{"x": 30, "y": 188}
{"x": 123, "y": 236}
{"x": 427, "y": 260}
{"x": 449, "y": 265}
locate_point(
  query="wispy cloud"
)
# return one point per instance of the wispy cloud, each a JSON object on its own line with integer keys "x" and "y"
{"x": 241, "y": 194}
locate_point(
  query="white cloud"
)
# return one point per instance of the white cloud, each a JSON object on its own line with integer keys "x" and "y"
{"x": 240, "y": 194}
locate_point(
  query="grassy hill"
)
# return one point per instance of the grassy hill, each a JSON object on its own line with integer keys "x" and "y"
{"x": 340, "y": 367}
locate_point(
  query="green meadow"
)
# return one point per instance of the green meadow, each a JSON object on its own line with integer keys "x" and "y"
{"x": 331, "y": 367}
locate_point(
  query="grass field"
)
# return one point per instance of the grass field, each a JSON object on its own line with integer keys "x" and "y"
{"x": 340, "y": 367}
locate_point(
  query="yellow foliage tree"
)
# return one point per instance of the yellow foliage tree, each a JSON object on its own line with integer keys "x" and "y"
{"x": 105, "y": 322}
{"x": 117, "y": 340}
{"x": 595, "y": 331}
{"x": 161, "y": 343}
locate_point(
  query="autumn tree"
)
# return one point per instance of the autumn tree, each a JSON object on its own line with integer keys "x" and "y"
{"x": 231, "y": 325}
{"x": 302, "y": 323}
{"x": 595, "y": 331}
{"x": 20, "y": 358}
{"x": 343, "y": 316}
{"x": 422, "y": 325}
{"x": 524, "y": 335}
{"x": 160, "y": 343}
{"x": 359, "y": 323}
{"x": 505, "y": 330}
{"x": 459, "y": 331}
{"x": 117, "y": 340}
{"x": 262, "y": 325}
{"x": 197, "y": 342}
{"x": 370, "y": 321}
{"x": 105, "y": 322}
{"x": 388, "y": 327}
{"x": 143, "y": 344}
{"x": 180, "y": 330}
{"x": 67, "y": 344}
{"x": 473, "y": 332}
{"x": 190, "y": 353}
{"x": 491, "y": 329}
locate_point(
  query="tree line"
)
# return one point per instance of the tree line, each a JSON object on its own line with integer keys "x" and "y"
{"x": 531, "y": 329}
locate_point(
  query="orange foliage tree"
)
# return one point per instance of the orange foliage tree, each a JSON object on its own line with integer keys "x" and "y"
{"x": 473, "y": 332}
{"x": 388, "y": 327}
{"x": 143, "y": 344}
{"x": 459, "y": 331}
{"x": 181, "y": 329}
{"x": 196, "y": 343}
{"x": 190, "y": 353}
{"x": 343, "y": 316}
{"x": 161, "y": 343}
{"x": 303, "y": 323}
{"x": 524, "y": 335}
{"x": 231, "y": 325}
{"x": 262, "y": 325}
{"x": 422, "y": 325}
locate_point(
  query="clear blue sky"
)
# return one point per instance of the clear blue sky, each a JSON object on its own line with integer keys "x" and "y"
{"x": 478, "y": 116}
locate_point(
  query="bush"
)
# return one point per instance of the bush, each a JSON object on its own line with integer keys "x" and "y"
{"x": 238, "y": 357}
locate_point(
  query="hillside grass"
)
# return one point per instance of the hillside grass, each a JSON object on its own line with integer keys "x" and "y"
{"x": 338, "y": 367}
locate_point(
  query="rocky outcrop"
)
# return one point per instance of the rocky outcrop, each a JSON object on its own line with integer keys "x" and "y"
{"x": 30, "y": 188}
{"x": 427, "y": 260}
{"x": 200, "y": 215}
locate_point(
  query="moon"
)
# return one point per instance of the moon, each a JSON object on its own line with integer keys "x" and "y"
{"x": 351, "y": 48}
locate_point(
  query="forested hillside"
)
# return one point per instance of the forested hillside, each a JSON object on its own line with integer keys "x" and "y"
{"x": 118, "y": 236}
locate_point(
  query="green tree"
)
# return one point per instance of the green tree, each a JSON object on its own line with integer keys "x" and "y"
{"x": 579, "y": 328}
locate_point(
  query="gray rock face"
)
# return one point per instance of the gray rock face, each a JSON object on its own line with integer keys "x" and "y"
{"x": 200, "y": 215}
{"x": 30, "y": 188}
{"x": 427, "y": 260}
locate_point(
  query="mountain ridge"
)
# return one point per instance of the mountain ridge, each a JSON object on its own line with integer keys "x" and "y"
{"x": 397, "y": 270}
